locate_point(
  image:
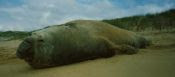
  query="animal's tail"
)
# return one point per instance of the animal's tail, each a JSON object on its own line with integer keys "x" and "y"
{"x": 144, "y": 42}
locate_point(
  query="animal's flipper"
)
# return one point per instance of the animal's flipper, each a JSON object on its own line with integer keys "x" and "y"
{"x": 119, "y": 49}
{"x": 126, "y": 49}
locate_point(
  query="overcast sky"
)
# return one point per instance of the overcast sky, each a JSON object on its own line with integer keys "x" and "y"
{"x": 26, "y": 15}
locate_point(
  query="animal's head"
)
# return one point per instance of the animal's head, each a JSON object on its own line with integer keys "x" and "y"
{"x": 36, "y": 49}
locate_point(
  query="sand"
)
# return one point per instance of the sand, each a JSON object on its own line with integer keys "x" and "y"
{"x": 158, "y": 60}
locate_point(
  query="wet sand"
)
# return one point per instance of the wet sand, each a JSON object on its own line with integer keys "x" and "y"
{"x": 158, "y": 60}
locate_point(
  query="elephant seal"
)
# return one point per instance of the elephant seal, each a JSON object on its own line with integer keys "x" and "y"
{"x": 77, "y": 41}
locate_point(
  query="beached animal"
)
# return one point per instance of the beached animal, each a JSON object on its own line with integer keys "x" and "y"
{"x": 77, "y": 41}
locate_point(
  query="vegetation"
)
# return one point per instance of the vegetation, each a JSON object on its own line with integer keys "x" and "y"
{"x": 153, "y": 22}
{"x": 10, "y": 35}
{"x": 159, "y": 21}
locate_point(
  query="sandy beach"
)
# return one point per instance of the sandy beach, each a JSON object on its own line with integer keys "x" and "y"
{"x": 157, "y": 60}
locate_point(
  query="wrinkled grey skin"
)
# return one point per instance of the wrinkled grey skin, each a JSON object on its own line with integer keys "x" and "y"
{"x": 77, "y": 41}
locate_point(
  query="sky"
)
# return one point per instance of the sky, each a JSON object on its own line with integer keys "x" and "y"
{"x": 27, "y": 15}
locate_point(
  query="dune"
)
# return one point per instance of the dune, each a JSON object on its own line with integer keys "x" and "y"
{"x": 154, "y": 61}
